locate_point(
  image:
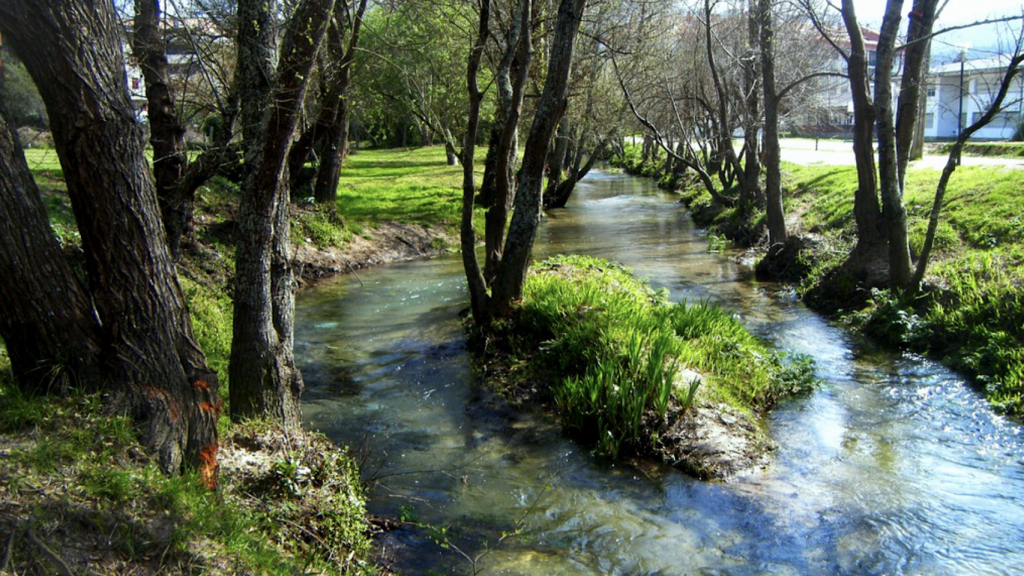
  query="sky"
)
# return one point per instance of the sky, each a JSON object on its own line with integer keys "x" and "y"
{"x": 982, "y": 41}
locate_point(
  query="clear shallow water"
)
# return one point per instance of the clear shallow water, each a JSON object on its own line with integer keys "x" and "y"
{"x": 893, "y": 467}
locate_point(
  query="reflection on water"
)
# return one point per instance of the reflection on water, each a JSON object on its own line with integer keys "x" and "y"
{"x": 892, "y": 467}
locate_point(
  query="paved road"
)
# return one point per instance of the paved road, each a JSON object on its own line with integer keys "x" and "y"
{"x": 840, "y": 153}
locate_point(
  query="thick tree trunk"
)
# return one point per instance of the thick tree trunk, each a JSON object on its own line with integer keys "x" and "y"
{"x": 451, "y": 155}
{"x": 915, "y": 71}
{"x": 508, "y": 286}
{"x": 871, "y": 242}
{"x": 511, "y": 80}
{"x": 264, "y": 379}
{"x": 558, "y": 159}
{"x": 150, "y": 356}
{"x": 335, "y": 135}
{"x": 773, "y": 170}
{"x": 46, "y": 319}
{"x": 332, "y": 157}
{"x": 750, "y": 181}
{"x": 894, "y": 214}
{"x": 166, "y": 134}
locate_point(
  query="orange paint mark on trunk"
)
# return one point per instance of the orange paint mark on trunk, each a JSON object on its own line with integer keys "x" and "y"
{"x": 201, "y": 385}
{"x": 208, "y": 466}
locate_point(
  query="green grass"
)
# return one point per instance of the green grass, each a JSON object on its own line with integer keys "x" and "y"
{"x": 410, "y": 185}
{"x": 996, "y": 149}
{"x": 621, "y": 348}
{"x": 70, "y": 464}
{"x": 972, "y": 312}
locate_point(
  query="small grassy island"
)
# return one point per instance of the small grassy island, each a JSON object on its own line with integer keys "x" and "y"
{"x": 633, "y": 373}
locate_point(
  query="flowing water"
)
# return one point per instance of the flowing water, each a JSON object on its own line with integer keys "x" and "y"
{"x": 894, "y": 466}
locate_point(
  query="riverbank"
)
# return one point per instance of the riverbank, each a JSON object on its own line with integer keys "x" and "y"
{"x": 970, "y": 314}
{"x": 628, "y": 372}
{"x": 287, "y": 501}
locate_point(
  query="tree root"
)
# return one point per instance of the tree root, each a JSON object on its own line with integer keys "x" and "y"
{"x": 62, "y": 568}
{"x": 6, "y": 560}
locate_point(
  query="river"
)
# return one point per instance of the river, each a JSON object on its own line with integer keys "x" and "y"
{"x": 894, "y": 466}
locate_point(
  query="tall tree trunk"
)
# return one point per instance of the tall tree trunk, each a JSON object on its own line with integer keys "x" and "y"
{"x": 46, "y": 318}
{"x": 559, "y": 197}
{"x": 508, "y": 286}
{"x": 917, "y": 143}
{"x": 557, "y": 159}
{"x": 264, "y": 379}
{"x": 150, "y": 356}
{"x": 894, "y": 214}
{"x": 915, "y": 71}
{"x": 335, "y": 137}
{"x": 478, "y": 296}
{"x": 167, "y": 135}
{"x": 871, "y": 243}
{"x": 750, "y": 180}
{"x": 723, "y": 133}
{"x": 511, "y": 80}
{"x": 332, "y": 156}
{"x": 773, "y": 170}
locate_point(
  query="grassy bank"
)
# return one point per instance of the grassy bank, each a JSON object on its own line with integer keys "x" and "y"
{"x": 620, "y": 363}
{"x": 79, "y": 493}
{"x": 288, "y": 503}
{"x": 993, "y": 149}
{"x": 971, "y": 312}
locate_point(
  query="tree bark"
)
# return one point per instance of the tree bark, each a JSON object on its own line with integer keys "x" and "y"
{"x": 559, "y": 197}
{"x": 467, "y": 234}
{"x": 508, "y": 286}
{"x": 335, "y": 136}
{"x": 557, "y": 159}
{"x": 264, "y": 379}
{"x": 750, "y": 180}
{"x": 868, "y": 214}
{"x": 894, "y": 214}
{"x": 167, "y": 135}
{"x": 915, "y": 71}
{"x": 150, "y": 356}
{"x": 511, "y": 79}
{"x": 46, "y": 318}
{"x": 773, "y": 158}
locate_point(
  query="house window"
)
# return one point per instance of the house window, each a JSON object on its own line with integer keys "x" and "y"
{"x": 975, "y": 117}
{"x": 929, "y": 120}
{"x": 931, "y": 91}
{"x": 135, "y": 83}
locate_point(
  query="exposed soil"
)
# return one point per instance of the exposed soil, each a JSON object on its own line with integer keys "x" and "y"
{"x": 715, "y": 442}
{"x": 386, "y": 242}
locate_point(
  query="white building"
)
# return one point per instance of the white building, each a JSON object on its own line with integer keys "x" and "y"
{"x": 948, "y": 95}
{"x": 829, "y": 109}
